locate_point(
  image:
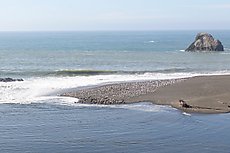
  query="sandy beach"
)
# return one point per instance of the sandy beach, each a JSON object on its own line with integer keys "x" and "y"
{"x": 203, "y": 94}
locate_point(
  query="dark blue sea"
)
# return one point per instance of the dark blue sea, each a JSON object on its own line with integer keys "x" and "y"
{"x": 35, "y": 119}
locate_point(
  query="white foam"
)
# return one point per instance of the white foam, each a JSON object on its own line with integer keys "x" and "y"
{"x": 227, "y": 49}
{"x": 37, "y": 89}
{"x": 186, "y": 114}
{"x": 225, "y": 53}
{"x": 144, "y": 106}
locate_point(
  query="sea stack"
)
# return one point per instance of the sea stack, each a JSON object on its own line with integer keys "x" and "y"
{"x": 205, "y": 42}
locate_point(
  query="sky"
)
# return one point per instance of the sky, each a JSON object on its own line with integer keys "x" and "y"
{"x": 112, "y": 15}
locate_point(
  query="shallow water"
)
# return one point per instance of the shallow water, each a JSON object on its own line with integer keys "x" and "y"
{"x": 137, "y": 128}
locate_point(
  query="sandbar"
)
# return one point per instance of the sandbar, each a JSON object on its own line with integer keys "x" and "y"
{"x": 205, "y": 94}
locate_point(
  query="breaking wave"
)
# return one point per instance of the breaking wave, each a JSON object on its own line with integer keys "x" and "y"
{"x": 36, "y": 88}
{"x": 109, "y": 72}
{"x": 71, "y": 73}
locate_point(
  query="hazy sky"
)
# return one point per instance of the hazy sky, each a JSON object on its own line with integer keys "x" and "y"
{"x": 42, "y": 15}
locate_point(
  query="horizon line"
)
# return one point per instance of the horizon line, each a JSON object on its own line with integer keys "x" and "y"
{"x": 115, "y": 30}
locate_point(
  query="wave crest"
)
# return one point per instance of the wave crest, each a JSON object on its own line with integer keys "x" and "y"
{"x": 83, "y": 72}
{"x": 109, "y": 72}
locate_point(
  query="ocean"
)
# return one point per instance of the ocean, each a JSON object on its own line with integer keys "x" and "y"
{"x": 35, "y": 119}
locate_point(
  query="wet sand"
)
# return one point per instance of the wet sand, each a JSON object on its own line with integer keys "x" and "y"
{"x": 205, "y": 94}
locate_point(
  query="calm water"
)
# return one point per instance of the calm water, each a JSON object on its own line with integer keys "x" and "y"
{"x": 34, "y": 119}
{"x": 39, "y": 53}
{"x": 135, "y": 128}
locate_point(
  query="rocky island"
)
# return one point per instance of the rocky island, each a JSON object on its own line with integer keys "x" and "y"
{"x": 205, "y": 42}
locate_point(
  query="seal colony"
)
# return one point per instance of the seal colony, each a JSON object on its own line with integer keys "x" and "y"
{"x": 203, "y": 94}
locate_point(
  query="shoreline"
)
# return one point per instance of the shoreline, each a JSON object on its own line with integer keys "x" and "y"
{"x": 204, "y": 94}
